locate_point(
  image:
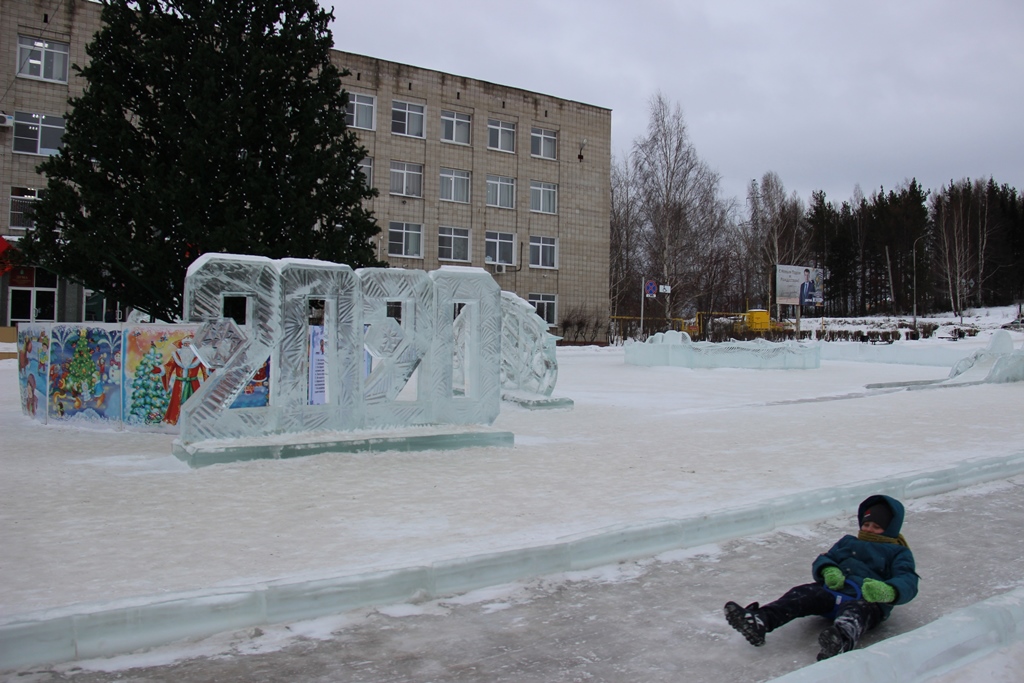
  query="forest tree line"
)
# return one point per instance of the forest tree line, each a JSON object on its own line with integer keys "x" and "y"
{"x": 951, "y": 248}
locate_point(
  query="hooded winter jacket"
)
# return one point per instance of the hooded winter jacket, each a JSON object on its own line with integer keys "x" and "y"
{"x": 859, "y": 559}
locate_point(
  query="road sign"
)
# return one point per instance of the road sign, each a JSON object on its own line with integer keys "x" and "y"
{"x": 665, "y": 289}
{"x": 650, "y": 289}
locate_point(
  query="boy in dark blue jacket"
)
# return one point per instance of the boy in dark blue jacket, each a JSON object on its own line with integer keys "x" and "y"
{"x": 857, "y": 583}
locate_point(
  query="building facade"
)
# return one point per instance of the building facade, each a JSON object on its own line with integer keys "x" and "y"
{"x": 469, "y": 173}
{"x": 39, "y": 41}
{"x": 476, "y": 174}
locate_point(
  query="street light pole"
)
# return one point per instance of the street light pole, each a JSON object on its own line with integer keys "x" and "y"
{"x": 915, "y": 281}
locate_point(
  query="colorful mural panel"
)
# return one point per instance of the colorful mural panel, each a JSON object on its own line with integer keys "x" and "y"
{"x": 84, "y": 383}
{"x": 160, "y": 373}
{"x": 33, "y": 360}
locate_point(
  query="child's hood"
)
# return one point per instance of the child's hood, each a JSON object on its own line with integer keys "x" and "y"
{"x": 893, "y": 530}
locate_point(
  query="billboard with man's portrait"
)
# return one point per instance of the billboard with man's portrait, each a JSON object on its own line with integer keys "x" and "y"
{"x": 799, "y": 285}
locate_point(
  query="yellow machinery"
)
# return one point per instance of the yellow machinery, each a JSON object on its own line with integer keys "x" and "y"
{"x": 756, "y": 320}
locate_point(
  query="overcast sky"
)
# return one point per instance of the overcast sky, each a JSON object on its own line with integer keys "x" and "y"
{"x": 827, "y": 94}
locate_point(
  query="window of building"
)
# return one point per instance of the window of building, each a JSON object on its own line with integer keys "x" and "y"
{"x": 23, "y": 200}
{"x": 32, "y": 295}
{"x": 405, "y": 239}
{"x": 360, "y": 111}
{"x": 407, "y": 119}
{"x": 501, "y": 191}
{"x": 452, "y": 244}
{"x": 454, "y": 185}
{"x": 406, "y": 179}
{"x": 37, "y": 133}
{"x": 366, "y": 167}
{"x": 455, "y": 127}
{"x": 543, "y": 252}
{"x": 542, "y": 143}
{"x": 545, "y": 305}
{"x": 101, "y": 309}
{"x": 499, "y": 247}
{"x": 46, "y": 60}
{"x": 501, "y": 135}
{"x": 543, "y": 197}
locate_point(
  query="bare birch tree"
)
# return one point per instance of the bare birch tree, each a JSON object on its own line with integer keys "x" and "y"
{"x": 777, "y": 230}
{"x": 626, "y": 258}
{"x": 679, "y": 203}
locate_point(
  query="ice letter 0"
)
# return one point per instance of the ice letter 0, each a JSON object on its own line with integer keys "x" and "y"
{"x": 336, "y": 287}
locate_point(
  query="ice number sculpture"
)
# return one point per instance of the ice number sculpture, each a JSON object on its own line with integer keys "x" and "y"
{"x": 391, "y": 354}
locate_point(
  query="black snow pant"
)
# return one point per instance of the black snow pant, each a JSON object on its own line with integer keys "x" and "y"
{"x": 854, "y": 617}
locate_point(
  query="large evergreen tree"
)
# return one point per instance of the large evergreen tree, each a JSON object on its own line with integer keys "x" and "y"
{"x": 205, "y": 125}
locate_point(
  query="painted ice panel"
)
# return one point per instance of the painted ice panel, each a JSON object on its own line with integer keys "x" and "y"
{"x": 161, "y": 373}
{"x": 33, "y": 360}
{"x": 84, "y": 383}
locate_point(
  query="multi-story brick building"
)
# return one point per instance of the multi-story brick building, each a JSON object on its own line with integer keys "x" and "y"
{"x": 469, "y": 172}
{"x": 39, "y": 42}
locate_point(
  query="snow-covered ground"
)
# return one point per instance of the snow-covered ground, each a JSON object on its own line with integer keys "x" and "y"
{"x": 97, "y": 517}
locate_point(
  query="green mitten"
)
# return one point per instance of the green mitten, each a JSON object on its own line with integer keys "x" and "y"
{"x": 834, "y": 577}
{"x": 877, "y": 591}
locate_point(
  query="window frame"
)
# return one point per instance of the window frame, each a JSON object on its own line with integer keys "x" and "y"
{"x": 503, "y": 130}
{"x": 42, "y": 121}
{"x": 47, "y": 52}
{"x": 498, "y": 182}
{"x": 541, "y": 246}
{"x": 366, "y": 166}
{"x": 408, "y": 172}
{"x": 550, "y": 305}
{"x": 409, "y": 111}
{"x": 544, "y": 135}
{"x": 372, "y": 105}
{"x": 447, "y": 240}
{"x": 411, "y": 240}
{"x": 451, "y": 179}
{"x": 543, "y": 192}
{"x": 29, "y": 195}
{"x": 455, "y": 119}
{"x": 496, "y": 243}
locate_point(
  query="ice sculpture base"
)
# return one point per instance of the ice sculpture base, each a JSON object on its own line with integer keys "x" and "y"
{"x": 219, "y": 451}
{"x": 535, "y": 402}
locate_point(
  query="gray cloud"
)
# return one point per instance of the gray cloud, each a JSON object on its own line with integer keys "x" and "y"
{"x": 828, "y": 95}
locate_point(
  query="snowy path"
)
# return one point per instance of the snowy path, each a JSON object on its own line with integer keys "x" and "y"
{"x": 654, "y": 620}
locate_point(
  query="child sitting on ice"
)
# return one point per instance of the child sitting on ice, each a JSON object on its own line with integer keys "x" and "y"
{"x": 857, "y": 583}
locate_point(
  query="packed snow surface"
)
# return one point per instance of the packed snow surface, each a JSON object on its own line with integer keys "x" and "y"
{"x": 105, "y": 516}
{"x": 99, "y": 515}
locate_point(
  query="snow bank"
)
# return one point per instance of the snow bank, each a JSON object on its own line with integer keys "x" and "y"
{"x": 942, "y": 646}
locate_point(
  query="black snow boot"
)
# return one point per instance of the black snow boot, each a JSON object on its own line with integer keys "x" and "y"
{"x": 834, "y": 641}
{"x": 747, "y": 620}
